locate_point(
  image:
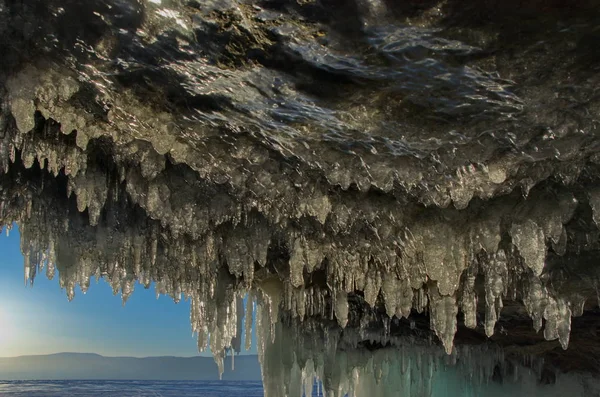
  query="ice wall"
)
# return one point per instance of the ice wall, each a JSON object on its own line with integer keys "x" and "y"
{"x": 407, "y": 367}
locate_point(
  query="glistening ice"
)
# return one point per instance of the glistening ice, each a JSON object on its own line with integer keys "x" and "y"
{"x": 407, "y": 193}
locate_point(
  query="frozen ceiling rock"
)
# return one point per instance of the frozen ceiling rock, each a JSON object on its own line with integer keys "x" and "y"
{"x": 416, "y": 169}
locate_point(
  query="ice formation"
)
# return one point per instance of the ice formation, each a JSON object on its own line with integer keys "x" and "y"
{"x": 408, "y": 367}
{"x": 380, "y": 178}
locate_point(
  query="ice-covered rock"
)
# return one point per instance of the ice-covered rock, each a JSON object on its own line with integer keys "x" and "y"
{"x": 377, "y": 170}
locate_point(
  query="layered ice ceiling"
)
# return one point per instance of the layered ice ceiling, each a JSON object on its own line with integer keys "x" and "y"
{"x": 385, "y": 180}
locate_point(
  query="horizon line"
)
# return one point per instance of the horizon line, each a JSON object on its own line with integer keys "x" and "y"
{"x": 138, "y": 357}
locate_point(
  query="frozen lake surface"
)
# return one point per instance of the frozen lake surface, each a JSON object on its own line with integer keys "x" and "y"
{"x": 130, "y": 388}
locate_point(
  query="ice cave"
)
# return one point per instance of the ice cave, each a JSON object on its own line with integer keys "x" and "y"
{"x": 408, "y": 191}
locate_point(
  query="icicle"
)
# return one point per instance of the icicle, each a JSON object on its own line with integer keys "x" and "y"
{"x": 535, "y": 301}
{"x": 443, "y": 317}
{"x": 558, "y": 321}
{"x": 248, "y": 319}
{"x": 529, "y": 238}
{"x": 495, "y": 273}
{"x": 469, "y": 298}
{"x": 341, "y": 308}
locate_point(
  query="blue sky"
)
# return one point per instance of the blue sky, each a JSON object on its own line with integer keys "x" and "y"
{"x": 40, "y": 319}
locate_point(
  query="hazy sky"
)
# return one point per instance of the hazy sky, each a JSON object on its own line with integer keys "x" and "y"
{"x": 40, "y": 319}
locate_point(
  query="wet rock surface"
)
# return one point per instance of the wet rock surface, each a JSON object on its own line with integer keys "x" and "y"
{"x": 418, "y": 169}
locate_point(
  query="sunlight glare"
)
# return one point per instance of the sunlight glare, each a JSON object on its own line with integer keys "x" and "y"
{"x": 5, "y": 327}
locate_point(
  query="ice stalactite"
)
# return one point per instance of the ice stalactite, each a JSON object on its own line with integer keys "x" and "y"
{"x": 393, "y": 260}
{"x": 299, "y": 362}
{"x": 432, "y": 266}
{"x": 237, "y": 151}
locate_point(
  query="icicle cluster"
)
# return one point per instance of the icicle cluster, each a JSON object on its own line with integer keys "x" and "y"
{"x": 139, "y": 195}
{"x": 410, "y": 260}
{"x": 329, "y": 363}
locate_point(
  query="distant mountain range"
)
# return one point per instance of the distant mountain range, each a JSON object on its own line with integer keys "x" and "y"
{"x": 74, "y": 366}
